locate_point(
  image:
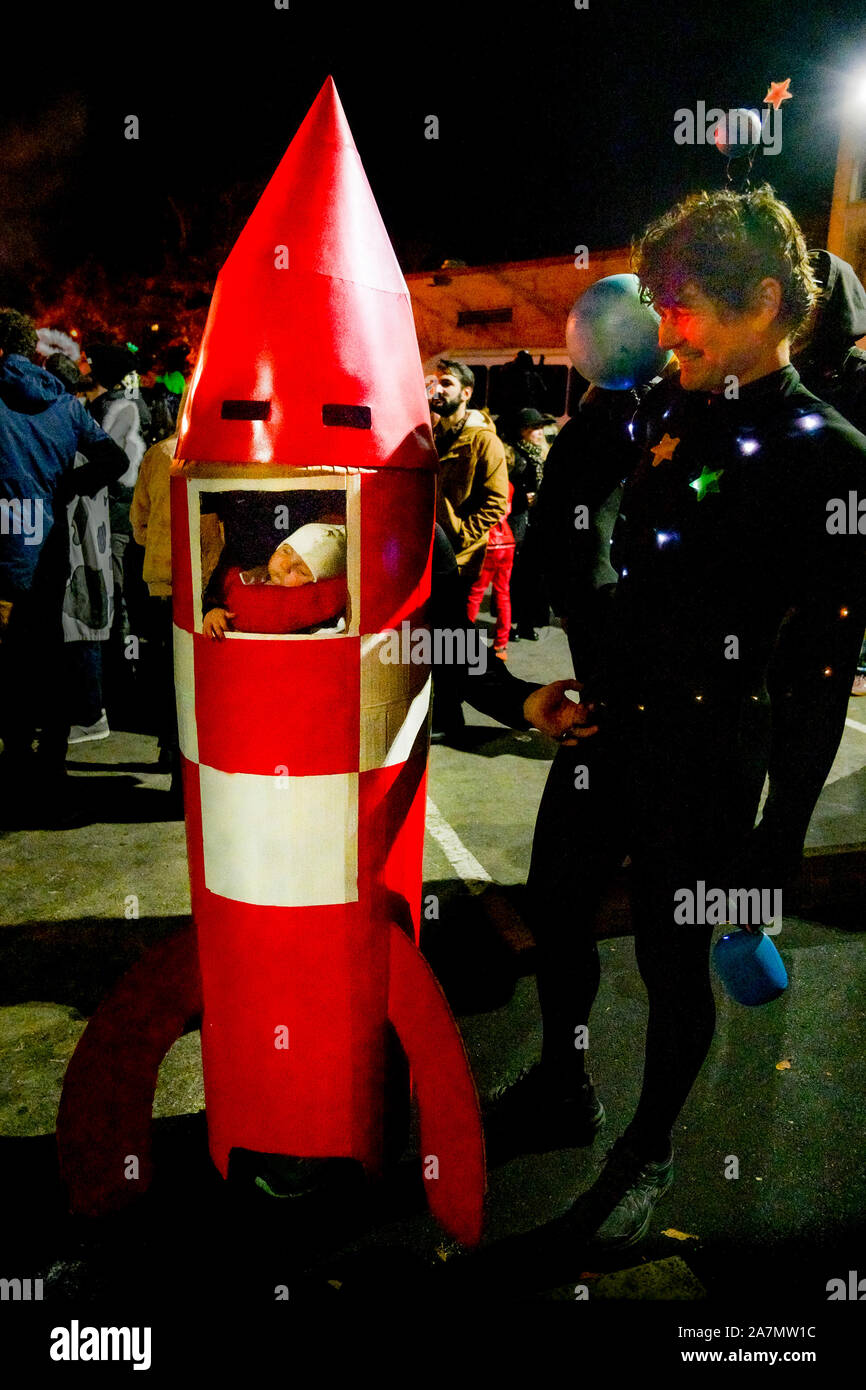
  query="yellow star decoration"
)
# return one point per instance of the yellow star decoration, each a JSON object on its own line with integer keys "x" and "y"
{"x": 778, "y": 93}
{"x": 664, "y": 450}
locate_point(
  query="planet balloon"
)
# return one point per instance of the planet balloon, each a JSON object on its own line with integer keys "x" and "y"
{"x": 612, "y": 338}
{"x": 738, "y": 133}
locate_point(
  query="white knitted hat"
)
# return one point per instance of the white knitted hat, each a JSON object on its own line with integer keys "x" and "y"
{"x": 321, "y": 546}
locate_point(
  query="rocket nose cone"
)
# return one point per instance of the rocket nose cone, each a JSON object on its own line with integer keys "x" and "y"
{"x": 326, "y": 120}
{"x": 309, "y": 354}
{"x": 319, "y": 206}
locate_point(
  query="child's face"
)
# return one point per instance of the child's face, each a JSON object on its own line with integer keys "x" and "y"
{"x": 287, "y": 568}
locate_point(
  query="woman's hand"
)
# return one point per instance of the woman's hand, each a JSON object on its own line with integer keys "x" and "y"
{"x": 550, "y": 710}
{"x": 217, "y": 622}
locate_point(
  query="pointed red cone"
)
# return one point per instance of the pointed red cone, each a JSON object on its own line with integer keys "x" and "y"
{"x": 309, "y": 356}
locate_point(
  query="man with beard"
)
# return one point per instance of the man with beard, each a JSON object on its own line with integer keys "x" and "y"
{"x": 473, "y": 482}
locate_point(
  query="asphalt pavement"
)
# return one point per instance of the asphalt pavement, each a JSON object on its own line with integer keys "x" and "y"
{"x": 783, "y": 1090}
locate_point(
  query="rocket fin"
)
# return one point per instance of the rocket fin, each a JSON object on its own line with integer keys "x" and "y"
{"x": 107, "y": 1101}
{"x": 451, "y": 1131}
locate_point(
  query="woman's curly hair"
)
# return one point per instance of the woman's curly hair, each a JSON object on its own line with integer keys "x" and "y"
{"x": 726, "y": 243}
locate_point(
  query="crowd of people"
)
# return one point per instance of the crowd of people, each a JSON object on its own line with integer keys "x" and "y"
{"x": 491, "y": 472}
{"x": 88, "y": 600}
{"x": 85, "y": 566}
{"x": 714, "y": 619}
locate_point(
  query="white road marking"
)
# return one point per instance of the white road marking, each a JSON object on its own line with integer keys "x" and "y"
{"x": 852, "y": 724}
{"x": 464, "y": 864}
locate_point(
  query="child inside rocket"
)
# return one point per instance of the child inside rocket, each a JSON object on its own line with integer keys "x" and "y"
{"x": 314, "y": 554}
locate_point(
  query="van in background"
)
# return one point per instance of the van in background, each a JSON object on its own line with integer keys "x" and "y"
{"x": 485, "y": 314}
{"x": 563, "y": 385}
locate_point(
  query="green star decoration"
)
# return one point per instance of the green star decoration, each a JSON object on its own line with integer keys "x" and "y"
{"x": 707, "y": 482}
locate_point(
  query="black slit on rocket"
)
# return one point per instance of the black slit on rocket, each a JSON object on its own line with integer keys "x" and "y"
{"x": 356, "y": 417}
{"x": 246, "y": 410}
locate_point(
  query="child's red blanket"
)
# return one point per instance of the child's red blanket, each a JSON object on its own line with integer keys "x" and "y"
{"x": 275, "y": 608}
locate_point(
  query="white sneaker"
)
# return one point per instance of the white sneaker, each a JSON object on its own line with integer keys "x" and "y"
{"x": 86, "y": 733}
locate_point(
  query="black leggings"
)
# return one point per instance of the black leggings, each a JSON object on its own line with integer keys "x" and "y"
{"x": 681, "y": 811}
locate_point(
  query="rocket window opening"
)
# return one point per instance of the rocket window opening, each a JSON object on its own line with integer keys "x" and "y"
{"x": 273, "y": 562}
{"x": 355, "y": 417}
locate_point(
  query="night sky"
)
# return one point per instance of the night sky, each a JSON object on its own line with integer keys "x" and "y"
{"x": 555, "y": 125}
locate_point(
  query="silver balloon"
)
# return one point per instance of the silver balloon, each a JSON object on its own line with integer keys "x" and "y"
{"x": 612, "y": 338}
{"x": 738, "y": 133}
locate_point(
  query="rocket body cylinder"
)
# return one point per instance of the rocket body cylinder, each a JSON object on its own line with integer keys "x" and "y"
{"x": 304, "y": 764}
{"x": 304, "y": 753}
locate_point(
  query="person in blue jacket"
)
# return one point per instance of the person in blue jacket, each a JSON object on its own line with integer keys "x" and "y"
{"x": 42, "y": 427}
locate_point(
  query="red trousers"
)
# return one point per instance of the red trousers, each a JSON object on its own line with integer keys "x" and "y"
{"x": 496, "y": 570}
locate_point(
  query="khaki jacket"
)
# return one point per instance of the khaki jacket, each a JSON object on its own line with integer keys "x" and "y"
{"x": 473, "y": 485}
{"x": 151, "y": 517}
{"x": 150, "y": 514}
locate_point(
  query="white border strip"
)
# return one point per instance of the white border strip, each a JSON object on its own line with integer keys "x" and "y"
{"x": 350, "y": 483}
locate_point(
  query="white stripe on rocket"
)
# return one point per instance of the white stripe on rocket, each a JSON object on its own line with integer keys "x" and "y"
{"x": 280, "y": 841}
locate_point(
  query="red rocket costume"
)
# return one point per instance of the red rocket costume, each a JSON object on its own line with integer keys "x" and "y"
{"x": 304, "y": 755}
